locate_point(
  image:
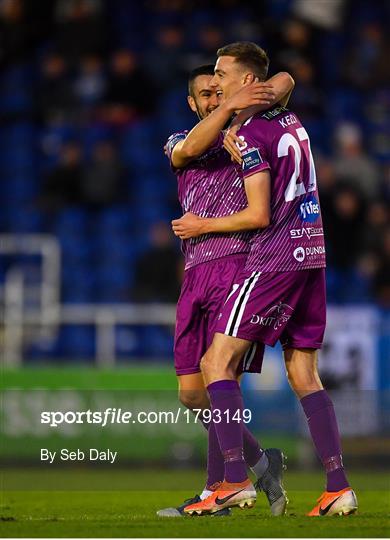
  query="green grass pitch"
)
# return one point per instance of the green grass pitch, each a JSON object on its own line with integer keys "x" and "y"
{"x": 123, "y": 503}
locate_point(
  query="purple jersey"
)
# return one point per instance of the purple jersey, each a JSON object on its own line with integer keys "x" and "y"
{"x": 294, "y": 240}
{"x": 210, "y": 186}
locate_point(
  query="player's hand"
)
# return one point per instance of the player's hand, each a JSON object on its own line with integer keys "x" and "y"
{"x": 188, "y": 226}
{"x": 231, "y": 143}
{"x": 255, "y": 93}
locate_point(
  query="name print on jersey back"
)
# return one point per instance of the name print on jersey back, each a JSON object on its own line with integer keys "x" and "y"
{"x": 294, "y": 240}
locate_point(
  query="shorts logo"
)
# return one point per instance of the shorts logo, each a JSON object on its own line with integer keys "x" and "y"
{"x": 309, "y": 210}
{"x": 251, "y": 159}
{"x": 308, "y": 231}
{"x": 234, "y": 288}
{"x": 275, "y": 317}
{"x": 299, "y": 254}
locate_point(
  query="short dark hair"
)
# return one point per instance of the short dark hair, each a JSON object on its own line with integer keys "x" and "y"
{"x": 206, "y": 69}
{"x": 249, "y": 55}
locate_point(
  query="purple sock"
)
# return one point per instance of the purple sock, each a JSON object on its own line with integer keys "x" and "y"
{"x": 226, "y": 400}
{"x": 324, "y": 431}
{"x": 215, "y": 462}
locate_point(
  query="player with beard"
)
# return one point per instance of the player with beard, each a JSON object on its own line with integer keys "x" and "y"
{"x": 209, "y": 184}
{"x": 280, "y": 294}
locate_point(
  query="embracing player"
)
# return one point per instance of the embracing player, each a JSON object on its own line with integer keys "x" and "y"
{"x": 280, "y": 294}
{"x": 209, "y": 184}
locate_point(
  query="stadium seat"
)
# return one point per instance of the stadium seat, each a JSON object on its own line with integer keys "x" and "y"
{"x": 93, "y": 134}
{"x": 72, "y": 219}
{"x": 129, "y": 341}
{"x": 24, "y": 220}
{"x": 20, "y": 190}
{"x": 79, "y": 341}
{"x": 115, "y": 219}
{"x": 43, "y": 349}
{"x": 346, "y": 104}
{"x": 157, "y": 341}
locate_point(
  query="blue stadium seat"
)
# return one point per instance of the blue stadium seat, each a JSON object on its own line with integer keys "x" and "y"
{"x": 74, "y": 248}
{"x": 157, "y": 341}
{"x": 129, "y": 341}
{"x": 79, "y": 341}
{"x": 154, "y": 189}
{"x": 16, "y": 101}
{"x": 146, "y": 215}
{"x": 115, "y": 219}
{"x": 129, "y": 24}
{"x": 139, "y": 159}
{"x": 3, "y": 218}
{"x": 43, "y": 349}
{"x": 334, "y": 284}
{"x": 357, "y": 287}
{"x": 140, "y": 132}
{"x": 113, "y": 281}
{"x": 72, "y": 219}
{"x": 52, "y": 137}
{"x": 18, "y": 133}
{"x": 174, "y": 114}
{"x": 77, "y": 273}
{"x": 24, "y": 220}
{"x": 20, "y": 189}
{"x": 118, "y": 247}
{"x": 76, "y": 294}
{"x": 78, "y": 282}
{"x": 18, "y": 158}
{"x": 15, "y": 93}
{"x": 346, "y": 104}
{"x": 112, "y": 274}
{"x": 93, "y": 134}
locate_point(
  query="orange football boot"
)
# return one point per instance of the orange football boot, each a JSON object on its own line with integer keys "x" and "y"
{"x": 333, "y": 503}
{"x": 242, "y": 494}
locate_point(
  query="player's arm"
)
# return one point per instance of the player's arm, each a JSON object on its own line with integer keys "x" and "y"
{"x": 205, "y": 133}
{"x": 251, "y": 99}
{"x": 255, "y": 216}
{"x": 283, "y": 85}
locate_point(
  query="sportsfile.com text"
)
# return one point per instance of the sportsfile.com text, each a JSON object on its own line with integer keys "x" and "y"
{"x": 120, "y": 416}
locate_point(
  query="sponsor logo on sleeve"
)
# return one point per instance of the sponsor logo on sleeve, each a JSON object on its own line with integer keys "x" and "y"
{"x": 251, "y": 159}
{"x": 309, "y": 209}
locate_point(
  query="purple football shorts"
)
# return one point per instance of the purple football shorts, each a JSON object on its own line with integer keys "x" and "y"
{"x": 285, "y": 306}
{"x": 203, "y": 293}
